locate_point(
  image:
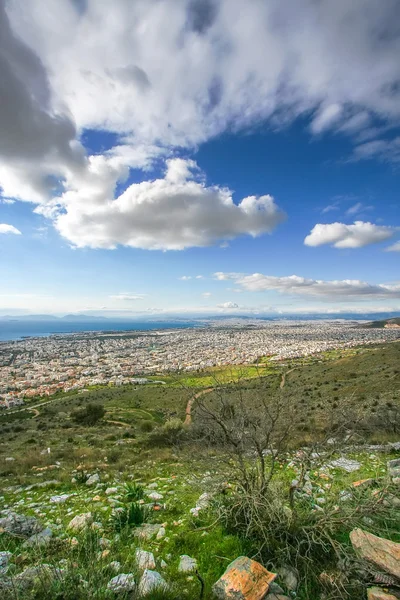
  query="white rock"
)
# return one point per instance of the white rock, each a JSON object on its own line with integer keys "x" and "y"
{"x": 115, "y": 566}
{"x": 346, "y": 464}
{"x": 111, "y": 490}
{"x": 161, "y": 533}
{"x": 93, "y": 479}
{"x": 80, "y": 521}
{"x": 60, "y": 499}
{"x": 150, "y": 582}
{"x": 121, "y": 584}
{"x": 155, "y": 496}
{"x": 187, "y": 564}
{"x": 145, "y": 560}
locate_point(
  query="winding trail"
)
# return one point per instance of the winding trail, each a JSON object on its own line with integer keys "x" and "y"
{"x": 188, "y": 418}
{"x": 283, "y": 380}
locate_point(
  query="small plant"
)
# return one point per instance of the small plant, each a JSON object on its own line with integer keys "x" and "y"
{"x": 131, "y": 515}
{"x": 133, "y": 492}
{"x": 90, "y": 415}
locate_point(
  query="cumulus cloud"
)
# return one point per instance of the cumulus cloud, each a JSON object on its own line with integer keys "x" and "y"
{"x": 228, "y": 305}
{"x": 171, "y": 213}
{"x": 4, "y": 228}
{"x": 176, "y": 86}
{"x": 347, "y": 289}
{"x": 340, "y": 235}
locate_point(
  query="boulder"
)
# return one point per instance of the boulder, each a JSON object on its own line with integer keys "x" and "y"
{"x": 20, "y": 525}
{"x": 41, "y": 575}
{"x": 394, "y": 467}
{"x": 60, "y": 499}
{"x": 381, "y": 552}
{"x": 144, "y": 560}
{"x": 346, "y": 464}
{"x": 187, "y": 564}
{"x": 244, "y": 579}
{"x": 147, "y": 531}
{"x": 93, "y": 479}
{"x": 39, "y": 539}
{"x": 80, "y": 522}
{"x": 151, "y": 581}
{"x": 122, "y": 584}
{"x": 111, "y": 490}
{"x": 376, "y": 593}
{"x": 288, "y": 576}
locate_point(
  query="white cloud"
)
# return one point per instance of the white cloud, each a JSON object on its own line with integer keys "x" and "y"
{"x": 206, "y": 294}
{"x": 228, "y": 305}
{"x": 185, "y": 277}
{"x": 4, "y": 228}
{"x": 341, "y": 235}
{"x": 383, "y": 150}
{"x": 127, "y": 296}
{"x": 199, "y": 277}
{"x": 347, "y": 289}
{"x": 394, "y": 248}
{"x": 172, "y": 213}
{"x": 163, "y": 88}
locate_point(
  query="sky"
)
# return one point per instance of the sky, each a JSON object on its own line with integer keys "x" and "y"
{"x": 199, "y": 156}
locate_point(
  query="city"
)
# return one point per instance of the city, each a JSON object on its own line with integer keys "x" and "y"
{"x": 35, "y": 367}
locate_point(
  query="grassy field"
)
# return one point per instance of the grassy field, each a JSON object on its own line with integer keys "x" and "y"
{"x": 121, "y": 450}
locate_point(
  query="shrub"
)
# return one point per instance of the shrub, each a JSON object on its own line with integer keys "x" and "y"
{"x": 132, "y": 515}
{"x": 170, "y": 433}
{"x": 133, "y": 492}
{"x": 90, "y": 415}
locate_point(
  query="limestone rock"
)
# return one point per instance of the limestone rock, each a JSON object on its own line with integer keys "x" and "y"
{"x": 39, "y": 539}
{"x": 121, "y": 584}
{"x": 151, "y": 581}
{"x": 376, "y": 593}
{"x": 187, "y": 564}
{"x": 80, "y": 522}
{"x": 93, "y": 479}
{"x": 20, "y": 525}
{"x": 244, "y": 579}
{"x": 394, "y": 467}
{"x": 155, "y": 496}
{"x": 379, "y": 551}
{"x": 346, "y": 464}
{"x": 289, "y": 578}
{"x": 147, "y": 531}
{"x": 145, "y": 560}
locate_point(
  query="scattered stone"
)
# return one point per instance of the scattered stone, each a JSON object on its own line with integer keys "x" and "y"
{"x": 9, "y": 459}
{"x": 346, "y": 464}
{"x": 115, "y": 566}
{"x": 80, "y": 522}
{"x": 151, "y": 581}
{"x": 153, "y": 486}
{"x": 376, "y": 593}
{"x": 104, "y": 543}
{"x": 20, "y": 525}
{"x": 111, "y": 490}
{"x": 289, "y": 578}
{"x": 155, "y": 496}
{"x": 42, "y": 575}
{"x": 4, "y": 562}
{"x": 147, "y": 531}
{"x": 93, "y": 479}
{"x": 161, "y": 533}
{"x": 244, "y": 579}
{"x": 394, "y": 467}
{"x": 121, "y": 584}
{"x": 60, "y": 499}
{"x": 145, "y": 560}
{"x": 39, "y": 539}
{"x": 187, "y": 564}
{"x": 163, "y": 564}
{"x": 379, "y": 551}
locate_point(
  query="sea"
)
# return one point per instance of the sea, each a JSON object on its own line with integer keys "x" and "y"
{"x": 17, "y": 330}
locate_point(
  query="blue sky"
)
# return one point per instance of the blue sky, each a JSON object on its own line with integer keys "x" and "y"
{"x": 181, "y": 173}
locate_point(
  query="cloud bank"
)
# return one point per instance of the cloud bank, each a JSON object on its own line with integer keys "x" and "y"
{"x": 347, "y": 289}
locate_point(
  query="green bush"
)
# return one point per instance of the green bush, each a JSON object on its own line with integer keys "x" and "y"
{"x": 168, "y": 434}
{"x": 90, "y": 415}
{"x": 132, "y": 515}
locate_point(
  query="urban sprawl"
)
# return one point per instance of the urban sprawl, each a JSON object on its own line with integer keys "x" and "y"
{"x": 35, "y": 367}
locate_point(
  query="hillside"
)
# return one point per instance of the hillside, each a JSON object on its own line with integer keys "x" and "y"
{"x": 137, "y": 481}
{"x": 380, "y": 324}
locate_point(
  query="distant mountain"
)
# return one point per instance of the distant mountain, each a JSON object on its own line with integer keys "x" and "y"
{"x": 29, "y": 318}
{"x": 85, "y": 318}
{"x": 381, "y": 324}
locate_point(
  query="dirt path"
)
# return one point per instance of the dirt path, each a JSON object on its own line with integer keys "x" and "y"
{"x": 34, "y": 410}
{"x": 188, "y": 418}
{"x": 119, "y": 423}
{"x": 283, "y": 380}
